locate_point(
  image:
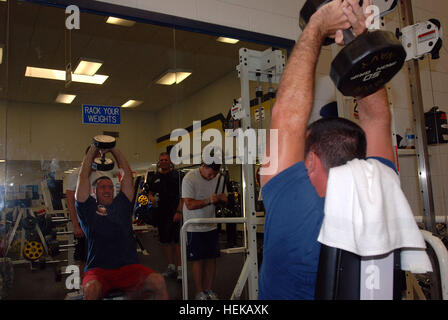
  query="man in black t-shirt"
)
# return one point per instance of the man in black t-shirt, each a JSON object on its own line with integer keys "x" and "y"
{"x": 112, "y": 261}
{"x": 166, "y": 183}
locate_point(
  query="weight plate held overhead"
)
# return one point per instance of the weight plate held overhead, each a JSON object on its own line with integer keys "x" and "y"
{"x": 104, "y": 142}
{"x": 367, "y": 63}
{"x": 100, "y": 165}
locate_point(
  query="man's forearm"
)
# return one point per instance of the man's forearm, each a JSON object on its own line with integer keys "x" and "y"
{"x": 83, "y": 185}
{"x": 375, "y": 120}
{"x": 180, "y": 205}
{"x": 296, "y": 90}
{"x": 71, "y": 206}
{"x": 193, "y": 204}
{"x": 122, "y": 161}
{"x": 294, "y": 100}
{"x": 374, "y": 109}
{"x": 86, "y": 165}
{"x": 127, "y": 185}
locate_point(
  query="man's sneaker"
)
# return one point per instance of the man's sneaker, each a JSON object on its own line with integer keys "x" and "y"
{"x": 170, "y": 273}
{"x": 211, "y": 295}
{"x": 201, "y": 296}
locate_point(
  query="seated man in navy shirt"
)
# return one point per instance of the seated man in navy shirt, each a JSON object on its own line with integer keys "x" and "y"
{"x": 112, "y": 261}
{"x": 294, "y": 194}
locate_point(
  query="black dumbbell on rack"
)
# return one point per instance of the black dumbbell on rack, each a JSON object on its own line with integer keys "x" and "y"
{"x": 55, "y": 248}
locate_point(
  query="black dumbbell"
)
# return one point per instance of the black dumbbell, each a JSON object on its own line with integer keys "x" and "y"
{"x": 103, "y": 142}
{"x": 367, "y": 62}
{"x": 29, "y": 223}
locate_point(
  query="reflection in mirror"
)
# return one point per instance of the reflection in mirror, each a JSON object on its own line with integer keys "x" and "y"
{"x": 59, "y": 88}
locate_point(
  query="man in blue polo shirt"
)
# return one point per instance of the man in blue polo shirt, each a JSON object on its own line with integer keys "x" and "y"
{"x": 294, "y": 194}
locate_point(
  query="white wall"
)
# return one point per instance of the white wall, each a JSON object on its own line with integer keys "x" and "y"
{"x": 215, "y": 98}
{"x": 41, "y": 133}
{"x": 277, "y": 18}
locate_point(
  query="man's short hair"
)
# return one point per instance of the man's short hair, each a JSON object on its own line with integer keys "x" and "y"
{"x": 335, "y": 141}
{"x": 164, "y": 153}
{"x": 95, "y": 183}
{"x": 214, "y": 166}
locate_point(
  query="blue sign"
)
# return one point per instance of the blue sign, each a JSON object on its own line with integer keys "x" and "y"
{"x": 101, "y": 114}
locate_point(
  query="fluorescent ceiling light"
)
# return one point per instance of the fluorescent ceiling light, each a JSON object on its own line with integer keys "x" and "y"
{"x": 2, "y": 160}
{"x": 88, "y": 67}
{"x": 65, "y": 98}
{"x": 1, "y": 53}
{"x": 227, "y": 40}
{"x": 173, "y": 76}
{"x": 120, "y": 22}
{"x": 132, "y": 104}
{"x": 54, "y": 74}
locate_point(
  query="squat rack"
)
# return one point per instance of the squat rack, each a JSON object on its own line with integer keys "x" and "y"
{"x": 422, "y": 154}
{"x": 261, "y": 66}
{"x": 424, "y": 172}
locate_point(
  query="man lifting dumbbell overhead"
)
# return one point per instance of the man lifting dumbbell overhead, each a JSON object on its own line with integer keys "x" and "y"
{"x": 294, "y": 195}
{"x": 71, "y": 182}
{"x": 112, "y": 261}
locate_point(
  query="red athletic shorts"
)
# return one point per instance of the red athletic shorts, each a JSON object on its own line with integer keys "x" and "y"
{"x": 128, "y": 278}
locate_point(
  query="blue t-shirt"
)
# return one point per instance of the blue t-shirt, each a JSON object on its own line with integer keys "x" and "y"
{"x": 110, "y": 237}
{"x": 294, "y": 214}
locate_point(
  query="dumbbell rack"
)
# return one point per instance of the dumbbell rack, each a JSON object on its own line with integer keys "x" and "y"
{"x": 21, "y": 214}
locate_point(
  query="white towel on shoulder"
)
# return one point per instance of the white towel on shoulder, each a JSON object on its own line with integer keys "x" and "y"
{"x": 367, "y": 213}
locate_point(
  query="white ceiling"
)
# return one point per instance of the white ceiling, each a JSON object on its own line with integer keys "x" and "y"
{"x": 133, "y": 58}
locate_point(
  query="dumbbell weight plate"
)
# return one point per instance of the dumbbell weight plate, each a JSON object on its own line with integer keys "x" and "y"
{"x": 53, "y": 248}
{"x": 104, "y": 142}
{"x": 29, "y": 223}
{"x": 33, "y": 250}
{"x": 143, "y": 200}
{"x": 367, "y": 63}
{"x": 99, "y": 165}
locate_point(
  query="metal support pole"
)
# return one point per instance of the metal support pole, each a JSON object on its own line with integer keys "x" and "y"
{"x": 424, "y": 172}
{"x": 248, "y": 188}
{"x": 39, "y": 232}
{"x": 271, "y": 96}
{"x": 14, "y": 229}
{"x": 183, "y": 244}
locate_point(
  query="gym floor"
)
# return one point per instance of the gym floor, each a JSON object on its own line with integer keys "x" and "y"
{"x": 40, "y": 284}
